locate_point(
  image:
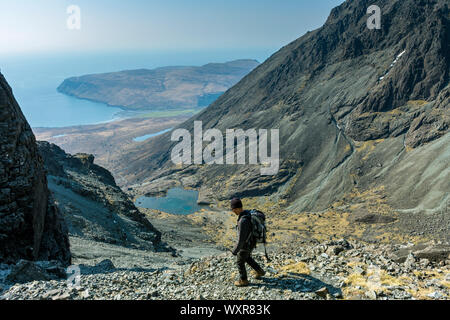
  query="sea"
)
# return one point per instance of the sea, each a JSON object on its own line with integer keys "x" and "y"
{"x": 34, "y": 78}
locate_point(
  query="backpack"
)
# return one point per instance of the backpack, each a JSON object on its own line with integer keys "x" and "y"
{"x": 259, "y": 229}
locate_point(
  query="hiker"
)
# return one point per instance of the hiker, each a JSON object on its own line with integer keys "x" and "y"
{"x": 245, "y": 244}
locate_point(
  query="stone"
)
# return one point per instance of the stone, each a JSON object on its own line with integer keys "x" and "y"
{"x": 371, "y": 294}
{"x": 435, "y": 253}
{"x": 435, "y": 295}
{"x": 410, "y": 261}
{"x": 51, "y": 294}
{"x": 85, "y": 294}
{"x": 26, "y": 271}
{"x": 374, "y": 219}
{"x": 64, "y": 296}
{"x": 424, "y": 262}
{"x": 322, "y": 292}
{"x": 205, "y": 197}
{"x": 131, "y": 284}
{"x": 359, "y": 270}
{"x": 334, "y": 250}
{"x": 53, "y": 268}
{"x": 324, "y": 256}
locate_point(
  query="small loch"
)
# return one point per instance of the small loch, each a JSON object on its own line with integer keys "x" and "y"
{"x": 177, "y": 201}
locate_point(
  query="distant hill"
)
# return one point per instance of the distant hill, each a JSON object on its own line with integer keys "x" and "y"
{"x": 161, "y": 88}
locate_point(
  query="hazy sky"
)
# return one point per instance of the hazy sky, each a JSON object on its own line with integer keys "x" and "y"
{"x": 32, "y": 26}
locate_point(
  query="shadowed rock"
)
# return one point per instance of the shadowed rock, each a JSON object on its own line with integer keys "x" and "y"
{"x": 31, "y": 226}
{"x": 94, "y": 206}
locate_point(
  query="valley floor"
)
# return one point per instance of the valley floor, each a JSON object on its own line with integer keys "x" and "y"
{"x": 107, "y": 141}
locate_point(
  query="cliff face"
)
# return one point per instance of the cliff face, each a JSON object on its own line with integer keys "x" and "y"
{"x": 356, "y": 108}
{"x": 31, "y": 226}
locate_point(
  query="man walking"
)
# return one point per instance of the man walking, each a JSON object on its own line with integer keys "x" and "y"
{"x": 245, "y": 244}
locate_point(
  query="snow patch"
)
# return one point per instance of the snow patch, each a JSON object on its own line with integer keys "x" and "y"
{"x": 392, "y": 64}
{"x": 401, "y": 54}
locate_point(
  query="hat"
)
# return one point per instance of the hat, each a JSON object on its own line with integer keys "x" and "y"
{"x": 236, "y": 203}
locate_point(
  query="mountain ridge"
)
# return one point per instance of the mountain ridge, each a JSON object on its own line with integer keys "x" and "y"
{"x": 342, "y": 126}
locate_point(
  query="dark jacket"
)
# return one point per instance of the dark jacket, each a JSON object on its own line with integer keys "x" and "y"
{"x": 244, "y": 229}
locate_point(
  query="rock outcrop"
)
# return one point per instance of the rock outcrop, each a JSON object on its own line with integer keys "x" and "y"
{"x": 31, "y": 227}
{"x": 27, "y": 271}
{"x": 94, "y": 207}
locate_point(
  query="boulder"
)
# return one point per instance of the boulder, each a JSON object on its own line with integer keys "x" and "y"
{"x": 371, "y": 218}
{"x": 436, "y": 253}
{"x": 205, "y": 197}
{"x": 105, "y": 266}
{"x": 337, "y": 246}
{"x": 334, "y": 250}
{"x": 322, "y": 292}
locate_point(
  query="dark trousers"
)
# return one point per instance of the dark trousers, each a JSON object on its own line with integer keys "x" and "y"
{"x": 243, "y": 257}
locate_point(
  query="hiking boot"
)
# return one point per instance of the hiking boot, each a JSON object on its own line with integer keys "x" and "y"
{"x": 259, "y": 274}
{"x": 241, "y": 283}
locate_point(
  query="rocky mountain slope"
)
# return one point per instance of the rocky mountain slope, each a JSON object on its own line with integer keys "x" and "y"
{"x": 328, "y": 270}
{"x": 31, "y": 226}
{"x": 357, "y": 109}
{"x": 161, "y": 88}
{"x": 363, "y": 117}
{"x": 94, "y": 207}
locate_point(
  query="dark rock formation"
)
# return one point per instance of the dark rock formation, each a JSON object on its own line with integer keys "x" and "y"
{"x": 372, "y": 218}
{"x": 26, "y": 271}
{"x": 432, "y": 123}
{"x": 94, "y": 207}
{"x": 436, "y": 253}
{"x": 104, "y": 266}
{"x": 31, "y": 226}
